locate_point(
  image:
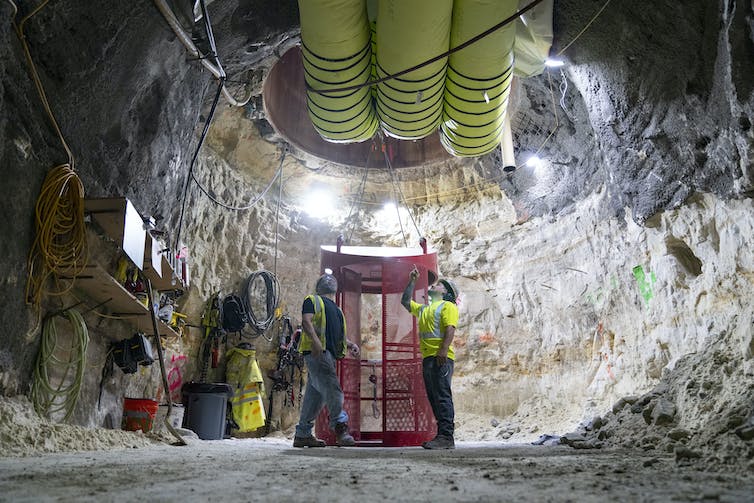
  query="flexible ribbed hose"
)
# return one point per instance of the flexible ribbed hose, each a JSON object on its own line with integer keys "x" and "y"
{"x": 336, "y": 49}
{"x": 64, "y": 365}
{"x": 409, "y": 107}
{"x": 478, "y": 80}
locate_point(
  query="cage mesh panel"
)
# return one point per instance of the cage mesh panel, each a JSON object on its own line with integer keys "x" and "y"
{"x": 406, "y": 405}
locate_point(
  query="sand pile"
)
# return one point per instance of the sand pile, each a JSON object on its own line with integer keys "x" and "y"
{"x": 702, "y": 411}
{"x": 24, "y": 433}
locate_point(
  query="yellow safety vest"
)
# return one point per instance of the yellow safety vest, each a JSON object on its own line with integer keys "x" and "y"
{"x": 431, "y": 329}
{"x": 320, "y": 323}
{"x": 243, "y": 374}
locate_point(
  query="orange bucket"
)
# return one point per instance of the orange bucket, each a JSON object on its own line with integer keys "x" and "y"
{"x": 138, "y": 414}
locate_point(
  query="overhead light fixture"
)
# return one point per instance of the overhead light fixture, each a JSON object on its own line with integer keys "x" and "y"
{"x": 554, "y": 63}
{"x": 319, "y": 204}
{"x": 389, "y": 206}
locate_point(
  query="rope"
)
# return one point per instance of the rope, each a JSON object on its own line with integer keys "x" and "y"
{"x": 252, "y": 203}
{"x": 48, "y": 398}
{"x": 397, "y": 204}
{"x": 37, "y": 81}
{"x": 59, "y": 246}
{"x": 362, "y": 187}
{"x": 277, "y": 214}
{"x": 272, "y": 288}
{"x": 402, "y": 199}
{"x": 586, "y": 27}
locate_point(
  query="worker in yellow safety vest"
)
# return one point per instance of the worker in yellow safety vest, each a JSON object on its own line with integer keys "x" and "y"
{"x": 323, "y": 341}
{"x": 437, "y": 325}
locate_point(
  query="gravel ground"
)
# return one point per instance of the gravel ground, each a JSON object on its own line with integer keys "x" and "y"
{"x": 269, "y": 469}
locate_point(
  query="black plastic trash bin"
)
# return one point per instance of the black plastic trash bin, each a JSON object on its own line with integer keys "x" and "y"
{"x": 205, "y": 408}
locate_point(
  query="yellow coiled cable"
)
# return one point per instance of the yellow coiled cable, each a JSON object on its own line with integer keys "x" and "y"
{"x": 59, "y": 248}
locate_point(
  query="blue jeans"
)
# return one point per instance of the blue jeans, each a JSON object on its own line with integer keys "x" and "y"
{"x": 322, "y": 388}
{"x": 437, "y": 382}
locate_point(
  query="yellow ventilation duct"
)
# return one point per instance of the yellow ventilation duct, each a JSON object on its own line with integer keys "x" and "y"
{"x": 336, "y": 49}
{"x": 409, "y": 107}
{"x": 478, "y": 78}
{"x": 465, "y": 95}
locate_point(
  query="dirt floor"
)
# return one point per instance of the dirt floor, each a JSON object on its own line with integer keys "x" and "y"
{"x": 269, "y": 469}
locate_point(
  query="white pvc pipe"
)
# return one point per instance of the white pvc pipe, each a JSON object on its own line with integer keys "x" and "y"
{"x": 506, "y": 146}
{"x": 185, "y": 39}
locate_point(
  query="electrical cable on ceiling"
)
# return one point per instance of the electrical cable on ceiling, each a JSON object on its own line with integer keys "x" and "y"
{"x": 211, "y": 38}
{"x": 434, "y": 59}
{"x": 271, "y": 299}
{"x": 65, "y": 364}
{"x": 190, "y": 176}
{"x": 188, "y": 43}
{"x": 586, "y": 27}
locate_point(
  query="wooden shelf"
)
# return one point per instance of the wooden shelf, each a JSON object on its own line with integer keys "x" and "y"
{"x": 103, "y": 288}
{"x": 120, "y": 221}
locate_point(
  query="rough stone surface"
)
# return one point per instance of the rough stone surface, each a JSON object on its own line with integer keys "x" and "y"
{"x": 625, "y": 262}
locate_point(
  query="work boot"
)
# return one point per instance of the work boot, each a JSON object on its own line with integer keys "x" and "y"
{"x": 440, "y": 443}
{"x": 310, "y": 441}
{"x": 343, "y": 439}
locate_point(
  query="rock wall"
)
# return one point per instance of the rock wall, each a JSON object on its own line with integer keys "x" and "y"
{"x": 603, "y": 311}
{"x": 584, "y": 282}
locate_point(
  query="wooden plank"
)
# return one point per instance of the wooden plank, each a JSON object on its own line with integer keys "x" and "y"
{"x": 103, "y": 288}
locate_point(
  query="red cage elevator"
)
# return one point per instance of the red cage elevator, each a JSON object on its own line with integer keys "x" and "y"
{"x": 383, "y": 390}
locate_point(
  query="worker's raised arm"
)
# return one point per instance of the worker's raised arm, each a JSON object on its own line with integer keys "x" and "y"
{"x": 409, "y": 291}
